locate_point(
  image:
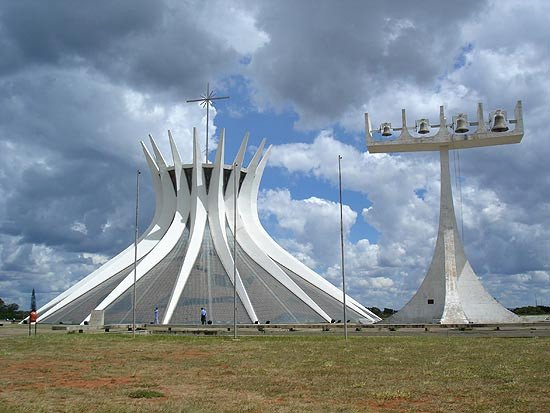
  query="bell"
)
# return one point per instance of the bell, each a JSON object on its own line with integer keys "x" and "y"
{"x": 499, "y": 122}
{"x": 386, "y": 129}
{"x": 461, "y": 123}
{"x": 423, "y": 126}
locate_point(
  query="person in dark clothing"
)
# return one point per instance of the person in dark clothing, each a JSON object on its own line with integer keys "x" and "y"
{"x": 203, "y": 315}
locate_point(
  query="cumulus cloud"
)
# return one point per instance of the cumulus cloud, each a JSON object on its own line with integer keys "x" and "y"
{"x": 351, "y": 55}
{"x": 389, "y": 182}
{"x": 476, "y": 56}
{"x": 310, "y": 230}
{"x": 74, "y": 139}
{"x": 404, "y": 192}
{"x": 313, "y": 223}
{"x": 407, "y": 221}
{"x": 166, "y": 46}
{"x": 79, "y": 88}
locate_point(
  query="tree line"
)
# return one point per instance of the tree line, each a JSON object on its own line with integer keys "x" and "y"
{"x": 11, "y": 311}
{"x": 532, "y": 310}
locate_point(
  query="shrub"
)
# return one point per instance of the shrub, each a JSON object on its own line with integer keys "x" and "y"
{"x": 145, "y": 394}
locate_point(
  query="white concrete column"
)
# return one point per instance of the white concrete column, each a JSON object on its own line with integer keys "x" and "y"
{"x": 451, "y": 245}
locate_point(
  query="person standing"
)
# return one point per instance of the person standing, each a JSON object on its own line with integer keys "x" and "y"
{"x": 156, "y": 315}
{"x": 203, "y": 316}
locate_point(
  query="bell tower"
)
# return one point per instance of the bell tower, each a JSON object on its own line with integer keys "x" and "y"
{"x": 451, "y": 292}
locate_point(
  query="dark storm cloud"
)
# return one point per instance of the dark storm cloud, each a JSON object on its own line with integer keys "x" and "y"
{"x": 344, "y": 53}
{"x": 150, "y": 45}
{"x": 66, "y": 120}
{"x": 80, "y": 85}
{"x": 59, "y": 135}
{"x": 45, "y": 31}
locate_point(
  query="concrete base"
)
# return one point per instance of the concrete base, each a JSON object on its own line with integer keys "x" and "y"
{"x": 97, "y": 318}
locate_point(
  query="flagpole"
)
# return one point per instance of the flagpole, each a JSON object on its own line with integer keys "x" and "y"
{"x": 342, "y": 246}
{"x": 235, "y": 251}
{"x": 135, "y": 257}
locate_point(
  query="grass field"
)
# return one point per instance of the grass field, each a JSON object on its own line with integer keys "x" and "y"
{"x": 155, "y": 373}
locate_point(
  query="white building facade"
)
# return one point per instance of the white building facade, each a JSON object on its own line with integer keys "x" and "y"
{"x": 185, "y": 259}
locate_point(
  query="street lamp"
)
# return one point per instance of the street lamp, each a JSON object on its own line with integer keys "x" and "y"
{"x": 134, "y": 297}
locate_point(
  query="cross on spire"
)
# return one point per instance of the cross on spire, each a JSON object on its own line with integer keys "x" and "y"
{"x": 206, "y": 101}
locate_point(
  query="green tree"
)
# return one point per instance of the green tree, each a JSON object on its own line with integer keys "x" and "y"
{"x": 33, "y": 301}
{"x": 10, "y": 311}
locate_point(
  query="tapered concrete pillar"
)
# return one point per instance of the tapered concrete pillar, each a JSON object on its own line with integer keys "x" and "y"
{"x": 451, "y": 293}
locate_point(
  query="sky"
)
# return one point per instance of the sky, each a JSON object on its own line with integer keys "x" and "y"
{"x": 82, "y": 84}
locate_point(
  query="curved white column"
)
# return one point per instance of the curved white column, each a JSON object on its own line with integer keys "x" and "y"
{"x": 247, "y": 242}
{"x": 177, "y": 161}
{"x": 168, "y": 206}
{"x": 164, "y": 246}
{"x": 216, "y": 219}
{"x": 198, "y": 217}
{"x": 249, "y": 212}
{"x": 158, "y": 154}
{"x": 164, "y": 212}
{"x": 159, "y": 193}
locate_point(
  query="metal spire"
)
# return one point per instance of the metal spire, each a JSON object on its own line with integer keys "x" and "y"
{"x": 206, "y": 101}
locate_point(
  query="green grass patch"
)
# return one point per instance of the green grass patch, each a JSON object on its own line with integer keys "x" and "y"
{"x": 158, "y": 373}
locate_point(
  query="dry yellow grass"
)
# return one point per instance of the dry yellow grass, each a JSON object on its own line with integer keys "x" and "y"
{"x": 116, "y": 373}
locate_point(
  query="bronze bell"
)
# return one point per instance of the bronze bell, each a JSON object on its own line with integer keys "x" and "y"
{"x": 461, "y": 123}
{"x": 385, "y": 128}
{"x": 423, "y": 126}
{"x": 499, "y": 122}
